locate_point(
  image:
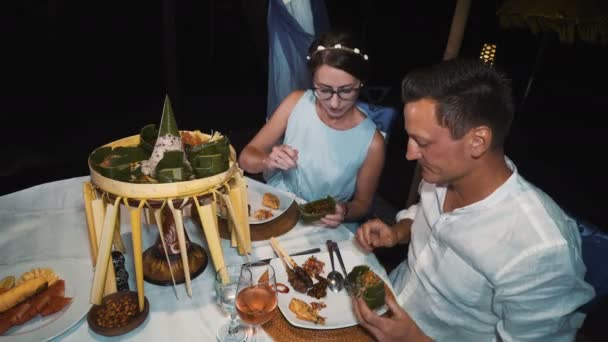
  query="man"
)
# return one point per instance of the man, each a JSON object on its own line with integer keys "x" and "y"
{"x": 491, "y": 257}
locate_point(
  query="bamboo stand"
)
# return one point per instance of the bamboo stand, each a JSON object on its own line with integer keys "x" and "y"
{"x": 183, "y": 259}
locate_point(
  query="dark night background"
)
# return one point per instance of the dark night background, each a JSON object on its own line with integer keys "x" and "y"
{"x": 80, "y": 75}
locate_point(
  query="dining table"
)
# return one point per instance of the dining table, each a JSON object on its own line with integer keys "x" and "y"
{"x": 47, "y": 224}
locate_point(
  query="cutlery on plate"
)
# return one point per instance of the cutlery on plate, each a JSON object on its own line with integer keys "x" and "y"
{"x": 347, "y": 284}
{"x": 308, "y": 251}
{"x": 334, "y": 278}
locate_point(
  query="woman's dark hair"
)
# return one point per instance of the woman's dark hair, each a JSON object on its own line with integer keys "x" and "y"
{"x": 346, "y": 58}
{"x": 468, "y": 94}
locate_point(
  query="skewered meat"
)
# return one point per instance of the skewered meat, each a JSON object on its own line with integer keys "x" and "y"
{"x": 297, "y": 277}
{"x": 298, "y": 282}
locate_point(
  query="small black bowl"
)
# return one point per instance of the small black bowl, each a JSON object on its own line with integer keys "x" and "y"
{"x": 132, "y": 323}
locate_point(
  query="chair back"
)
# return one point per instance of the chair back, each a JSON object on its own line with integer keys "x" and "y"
{"x": 594, "y": 243}
{"x": 382, "y": 116}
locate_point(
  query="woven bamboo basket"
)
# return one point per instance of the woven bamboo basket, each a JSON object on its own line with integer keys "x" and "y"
{"x": 102, "y": 217}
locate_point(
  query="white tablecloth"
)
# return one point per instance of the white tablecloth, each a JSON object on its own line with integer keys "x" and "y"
{"x": 48, "y": 222}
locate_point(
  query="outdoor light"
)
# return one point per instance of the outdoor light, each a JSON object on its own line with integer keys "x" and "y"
{"x": 488, "y": 53}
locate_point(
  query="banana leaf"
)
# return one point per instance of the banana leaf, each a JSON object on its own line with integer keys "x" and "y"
{"x": 172, "y": 168}
{"x": 367, "y": 285}
{"x": 314, "y": 210}
{"x": 209, "y": 159}
{"x": 209, "y": 165}
{"x": 117, "y": 163}
{"x": 147, "y": 137}
{"x": 220, "y": 146}
{"x": 168, "y": 125}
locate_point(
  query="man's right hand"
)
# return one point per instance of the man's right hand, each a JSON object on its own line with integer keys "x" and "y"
{"x": 375, "y": 233}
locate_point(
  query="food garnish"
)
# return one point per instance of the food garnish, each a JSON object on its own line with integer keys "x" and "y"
{"x": 313, "y": 266}
{"x": 7, "y": 283}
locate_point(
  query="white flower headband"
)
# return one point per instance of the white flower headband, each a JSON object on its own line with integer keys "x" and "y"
{"x": 339, "y": 47}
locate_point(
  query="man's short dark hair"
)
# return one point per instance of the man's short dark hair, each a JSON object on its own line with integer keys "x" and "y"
{"x": 468, "y": 94}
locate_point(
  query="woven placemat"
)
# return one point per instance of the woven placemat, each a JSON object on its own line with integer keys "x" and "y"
{"x": 265, "y": 231}
{"x": 281, "y": 330}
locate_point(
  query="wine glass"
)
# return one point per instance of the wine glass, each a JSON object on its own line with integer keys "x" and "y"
{"x": 256, "y": 299}
{"x": 226, "y": 283}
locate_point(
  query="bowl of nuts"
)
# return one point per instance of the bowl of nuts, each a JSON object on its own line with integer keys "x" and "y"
{"x": 118, "y": 314}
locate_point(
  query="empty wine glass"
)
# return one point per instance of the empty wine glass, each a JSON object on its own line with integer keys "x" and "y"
{"x": 256, "y": 299}
{"x": 226, "y": 284}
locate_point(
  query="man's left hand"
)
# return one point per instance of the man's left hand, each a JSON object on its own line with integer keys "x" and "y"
{"x": 399, "y": 327}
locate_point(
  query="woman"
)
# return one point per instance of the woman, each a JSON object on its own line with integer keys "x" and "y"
{"x": 317, "y": 142}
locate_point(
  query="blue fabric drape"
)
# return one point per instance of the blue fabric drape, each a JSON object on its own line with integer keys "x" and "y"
{"x": 288, "y": 44}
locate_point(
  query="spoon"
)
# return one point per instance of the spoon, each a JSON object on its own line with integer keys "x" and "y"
{"x": 334, "y": 278}
{"x": 347, "y": 285}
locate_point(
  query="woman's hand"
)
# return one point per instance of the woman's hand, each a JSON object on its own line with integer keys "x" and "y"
{"x": 281, "y": 157}
{"x": 339, "y": 215}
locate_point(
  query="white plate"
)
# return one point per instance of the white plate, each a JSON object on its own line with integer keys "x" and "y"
{"x": 338, "y": 312}
{"x": 78, "y": 278}
{"x": 255, "y": 192}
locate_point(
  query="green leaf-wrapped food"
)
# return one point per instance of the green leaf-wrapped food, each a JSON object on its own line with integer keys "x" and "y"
{"x": 172, "y": 168}
{"x": 118, "y": 163}
{"x": 314, "y": 210}
{"x": 367, "y": 285}
{"x": 209, "y": 158}
{"x": 147, "y": 137}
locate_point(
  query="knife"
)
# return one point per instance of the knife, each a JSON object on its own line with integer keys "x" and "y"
{"x": 308, "y": 251}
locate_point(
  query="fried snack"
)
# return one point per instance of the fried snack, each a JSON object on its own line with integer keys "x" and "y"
{"x": 21, "y": 292}
{"x": 262, "y": 214}
{"x": 46, "y": 273}
{"x": 305, "y": 312}
{"x": 271, "y": 201}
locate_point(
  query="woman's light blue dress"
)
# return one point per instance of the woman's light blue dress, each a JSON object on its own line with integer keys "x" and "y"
{"x": 328, "y": 159}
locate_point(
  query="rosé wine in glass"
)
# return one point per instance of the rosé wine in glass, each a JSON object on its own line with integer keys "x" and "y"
{"x": 256, "y": 299}
{"x": 256, "y": 304}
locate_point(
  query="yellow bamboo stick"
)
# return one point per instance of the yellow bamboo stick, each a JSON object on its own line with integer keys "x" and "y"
{"x": 242, "y": 222}
{"x": 181, "y": 239}
{"x": 242, "y": 185}
{"x": 103, "y": 258}
{"x": 159, "y": 224}
{"x": 87, "y": 190}
{"x": 232, "y": 216}
{"x": 137, "y": 250}
{"x": 99, "y": 217}
{"x": 117, "y": 239}
{"x": 210, "y": 229}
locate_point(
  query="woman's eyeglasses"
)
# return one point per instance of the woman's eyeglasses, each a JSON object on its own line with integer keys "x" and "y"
{"x": 345, "y": 93}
